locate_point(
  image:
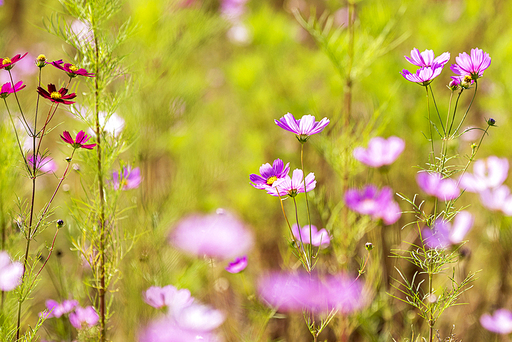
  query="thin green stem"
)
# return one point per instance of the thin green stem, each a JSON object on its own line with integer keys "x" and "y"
{"x": 307, "y": 202}
{"x": 455, "y": 111}
{"x": 432, "y": 156}
{"x": 469, "y": 107}
{"x": 437, "y": 110}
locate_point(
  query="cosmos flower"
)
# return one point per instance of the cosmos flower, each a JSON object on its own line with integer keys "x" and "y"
{"x": 427, "y": 58}
{"x": 70, "y": 69}
{"x": 220, "y": 236}
{"x": 79, "y": 142}
{"x": 292, "y": 186}
{"x": 443, "y": 234}
{"x": 57, "y": 310}
{"x": 318, "y": 237}
{"x": 435, "y": 185}
{"x": 269, "y": 174}
{"x": 304, "y": 127}
{"x": 8, "y": 63}
{"x": 497, "y": 199}
{"x": 423, "y": 76}
{"x": 370, "y": 201}
{"x": 84, "y": 318}
{"x": 129, "y": 179}
{"x": 168, "y": 296}
{"x": 487, "y": 174}
{"x": 7, "y": 89}
{"x": 237, "y": 265}
{"x": 166, "y": 330}
{"x": 10, "y": 272}
{"x": 472, "y": 65}
{"x": 380, "y": 151}
{"x": 56, "y": 96}
{"x": 43, "y": 164}
{"x": 199, "y": 317}
{"x": 500, "y": 322}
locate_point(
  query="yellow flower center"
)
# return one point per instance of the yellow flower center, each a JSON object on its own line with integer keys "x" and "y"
{"x": 73, "y": 68}
{"x": 6, "y": 61}
{"x": 271, "y": 180}
{"x": 41, "y": 58}
{"x": 467, "y": 79}
{"x": 56, "y": 95}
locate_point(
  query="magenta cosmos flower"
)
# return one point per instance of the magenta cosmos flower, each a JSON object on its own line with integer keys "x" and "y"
{"x": 8, "y": 89}
{"x": 43, "y": 164}
{"x": 168, "y": 296}
{"x": 427, "y": 58}
{"x": 129, "y": 179}
{"x": 269, "y": 174}
{"x": 472, "y": 65}
{"x": 311, "y": 235}
{"x": 500, "y": 322}
{"x": 84, "y": 318}
{"x": 8, "y": 63}
{"x": 70, "y": 69}
{"x": 303, "y": 127}
{"x": 238, "y": 265}
{"x": 220, "y": 236}
{"x": 56, "y": 96}
{"x": 380, "y": 151}
{"x": 292, "y": 186}
{"x": 443, "y": 234}
{"x": 55, "y": 309}
{"x": 487, "y": 174}
{"x": 10, "y": 272}
{"x": 434, "y": 184}
{"x": 79, "y": 142}
{"x": 370, "y": 201}
{"x": 423, "y": 76}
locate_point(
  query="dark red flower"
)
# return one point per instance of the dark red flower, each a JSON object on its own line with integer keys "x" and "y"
{"x": 56, "y": 96}
{"x": 70, "y": 69}
{"x": 8, "y": 63}
{"x": 79, "y": 142}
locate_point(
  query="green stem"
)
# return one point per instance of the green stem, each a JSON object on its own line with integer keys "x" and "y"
{"x": 307, "y": 203}
{"x": 469, "y": 107}
{"x": 432, "y": 156}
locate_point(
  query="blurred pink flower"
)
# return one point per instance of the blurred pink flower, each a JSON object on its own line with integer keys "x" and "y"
{"x": 487, "y": 174}
{"x": 427, "y": 58}
{"x": 57, "y": 310}
{"x": 84, "y": 317}
{"x": 221, "y": 236}
{"x": 10, "y": 272}
{"x": 380, "y": 151}
{"x": 238, "y": 265}
{"x": 443, "y": 234}
{"x": 500, "y": 322}
{"x": 168, "y": 296}
{"x": 43, "y": 164}
{"x": 198, "y": 317}
{"x": 292, "y": 186}
{"x": 130, "y": 178}
{"x": 497, "y": 199}
{"x": 370, "y": 201}
{"x": 318, "y": 237}
{"x": 166, "y": 330}
{"x": 435, "y": 185}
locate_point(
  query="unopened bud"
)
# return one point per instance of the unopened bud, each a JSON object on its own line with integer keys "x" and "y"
{"x": 466, "y": 82}
{"x": 68, "y": 159}
{"x": 41, "y": 61}
{"x": 60, "y": 223}
{"x": 368, "y": 246}
{"x": 491, "y": 122}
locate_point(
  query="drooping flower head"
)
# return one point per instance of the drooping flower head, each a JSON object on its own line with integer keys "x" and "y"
{"x": 269, "y": 174}
{"x": 370, "y": 201}
{"x": 443, "y": 234}
{"x": 56, "y": 96}
{"x": 129, "y": 179}
{"x": 8, "y": 89}
{"x": 500, "y": 322}
{"x": 427, "y": 58}
{"x": 55, "y": 309}
{"x": 84, "y": 318}
{"x": 70, "y": 69}
{"x": 10, "y": 272}
{"x": 43, "y": 164}
{"x": 434, "y": 184}
{"x": 168, "y": 296}
{"x": 304, "y": 127}
{"x": 237, "y": 265}
{"x": 311, "y": 235}
{"x": 423, "y": 76}
{"x": 380, "y": 151}
{"x": 292, "y": 186}
{"x": 487, "y": 174}
{"x": 220, "y": 235}
{"x": 79, "y": 142}
{"x": 472, "y": 65}
{"x": 8, "y": 63}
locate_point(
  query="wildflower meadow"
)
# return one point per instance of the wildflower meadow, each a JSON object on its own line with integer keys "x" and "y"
{"x": 255, "y": 170}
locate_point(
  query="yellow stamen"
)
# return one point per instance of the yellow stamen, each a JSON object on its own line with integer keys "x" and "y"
{"x": 56, "y": 95}
{"x": 271, "y": 180}
{"x": 73, "y": 68}
{"x": 41, "y": 58}
{"x": 6, "y": 61}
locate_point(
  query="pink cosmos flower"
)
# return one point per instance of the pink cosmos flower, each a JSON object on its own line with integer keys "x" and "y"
{"x": 380, "y": 151}
{"x": 232, "y": 9}
{"x": 370, "y": 201}
{"x": 423, "y": 76}
{"x": 45, "y": 165}
{"x": 200, "y": 318}
{"x": 10, "y": 272}
{"x": 57, "y": 310}
{"x": 443, "y": 234}
{"x": 427, "y": 58}
{"x": 269, "y": 174}
{"x": 84, "y": 318}
{"x": 292, "y": 186}
{"x": 56, "y": 96}
{"x": 435, "y": 185}
{"x": 79, "y": 142}
{"x": 318, "y": 237}
{"x": 220, "y": 236}
{"x": 130, "y": 178}
{"x": 304, "y": 127}
{"x": 70, "y": 69}
{"x": 166, "y": 330}
{"x": 497, "y": 199}
{"x": 487, "y": 174}
{"x": 7, "y": 89}
{"x": 500, "y": 322}
{"x": 473, "y": 65}
{"x": 8, "y": 63}
{"x": 238, "y": 265}
{"x": 168, "y": 296}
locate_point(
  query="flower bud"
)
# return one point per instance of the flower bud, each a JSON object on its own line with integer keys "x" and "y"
{"x": 60, "y": 223}
{"x": 41, "y": 61}
{"x": 466, "y": 82}
{"x": 453, "y": 85}
{"x": 368, "y": 246}
{"x": 491, "y": 122}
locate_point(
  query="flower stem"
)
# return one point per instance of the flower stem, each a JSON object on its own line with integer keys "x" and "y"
{"x": 432, "y": 155}
{"x": 307, "y": 204}
{"x": 469, "y": 107}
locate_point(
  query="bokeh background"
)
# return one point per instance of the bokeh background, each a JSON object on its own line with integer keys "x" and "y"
{"x": 199, "y": 114}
